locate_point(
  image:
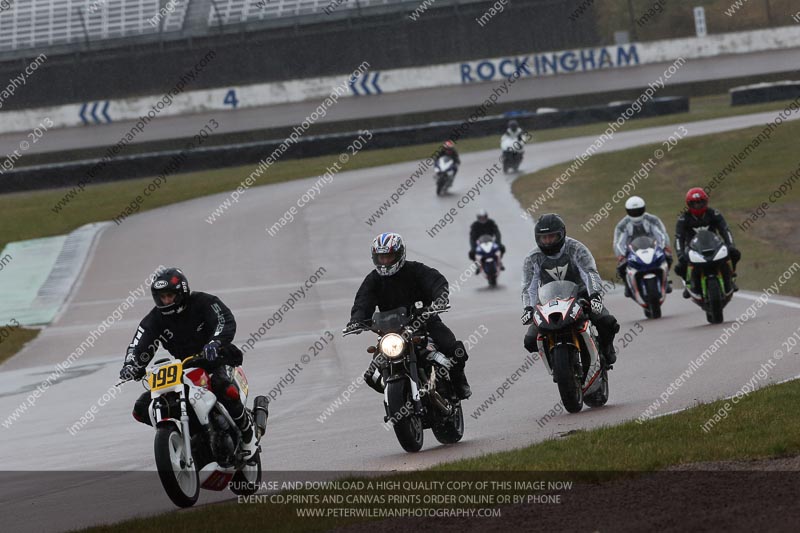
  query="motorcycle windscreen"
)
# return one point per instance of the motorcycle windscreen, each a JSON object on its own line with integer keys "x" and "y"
{"x": 643, "y": 243}
{"x": 485, "y": 238}
{"x": 390, "y": 321}
{"x": 563, "y": 290}
{"x": 705, "y": 242}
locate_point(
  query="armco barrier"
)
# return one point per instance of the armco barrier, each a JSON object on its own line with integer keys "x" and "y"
{"x": 151, "y": 164}
{"x": 765, "y": 92}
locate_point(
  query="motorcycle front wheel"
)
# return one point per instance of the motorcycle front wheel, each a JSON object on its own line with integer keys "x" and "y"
{"x": 407, "y": 426}
{"x": 653, "y": 298}
{"x": 568, "y": 377}
{"x": 181, "y": 481}
{"x": 714, "y": 304}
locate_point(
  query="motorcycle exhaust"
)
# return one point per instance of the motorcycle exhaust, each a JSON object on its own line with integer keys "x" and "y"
{"x": 443, "y": 405}
{"x": 260, "y": 415}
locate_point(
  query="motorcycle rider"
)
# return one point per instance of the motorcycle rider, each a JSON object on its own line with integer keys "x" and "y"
{"x": 699, "y": 216}
{"x": 638, "y": 223}
{"x": 189, "y": 323}
{"x": 396, "y": 282}
{"x": 484, "y": 225}
{"x": 515, "y": 132}
{"x": 449, "y": 149}
{"x": 557, "y": 257}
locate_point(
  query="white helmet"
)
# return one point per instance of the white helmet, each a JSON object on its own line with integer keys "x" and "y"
{"x": 635, "y": 207}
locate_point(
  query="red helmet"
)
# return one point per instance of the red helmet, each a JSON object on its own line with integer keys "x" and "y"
{"x": 697, "y": 201}
{"x": 449, "y": 144}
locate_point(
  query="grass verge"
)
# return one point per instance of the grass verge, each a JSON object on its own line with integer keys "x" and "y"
{"x": 770, "y": 243}
{"x": 759, "y": 426}
{"x": 16, "y": 339}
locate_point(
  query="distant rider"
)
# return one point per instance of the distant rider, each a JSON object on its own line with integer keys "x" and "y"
{"x": 699, "y": 216}
{"x": 449, "y": 149}
{"x": 484, "y": 225}
{"x": 557, "y": 257}
{"x": 638, "y": 223}
{"x": 395, "y": 283}
{"x": 514, "y": 132}
{"x": 189, "y": 323}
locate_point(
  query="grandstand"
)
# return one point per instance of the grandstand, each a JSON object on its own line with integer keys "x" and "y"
{"x": 28, "y": 24}
{"x": 44, "y": 23}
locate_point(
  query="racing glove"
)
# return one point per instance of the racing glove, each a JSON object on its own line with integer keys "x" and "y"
{"x": 596, "y": 302}
{"x": 527, "y": 316}
{"x": 352, "y": 327}
{"x": 211, "y": 350}
{"x": 131, "y": 369}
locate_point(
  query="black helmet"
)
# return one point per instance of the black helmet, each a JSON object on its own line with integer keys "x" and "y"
{"x": 513, "y": 125}
{"x": 170, "y": 281}
{"x": 546, "y": 227}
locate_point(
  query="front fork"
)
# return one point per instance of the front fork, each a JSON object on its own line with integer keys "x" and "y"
{"x": 187, "y": 436}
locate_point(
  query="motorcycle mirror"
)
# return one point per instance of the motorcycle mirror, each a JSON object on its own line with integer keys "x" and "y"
{"x": 372, "y": 349}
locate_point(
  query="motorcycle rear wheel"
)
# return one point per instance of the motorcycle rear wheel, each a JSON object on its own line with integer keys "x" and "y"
{"x": 247, "y": 480}
{"x": 181, "y": 482}
{"x": 451, "y": 430}
{"x": 599, "y": 398}
{"x": 568, "y": 378}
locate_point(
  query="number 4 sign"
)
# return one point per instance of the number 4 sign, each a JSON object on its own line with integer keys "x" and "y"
{"x": 230, "y": 99}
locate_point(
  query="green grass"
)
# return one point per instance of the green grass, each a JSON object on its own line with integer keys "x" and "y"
{"x": 768, "y": 248}
{"x": 27, "y": 215}
{"x": 759, "y": 426}
{"x": 17, "y": 338}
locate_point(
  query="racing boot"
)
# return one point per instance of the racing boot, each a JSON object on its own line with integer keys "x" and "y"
{"x": 669, "y": 286}
{"x": 245, "y": 424}
{"x": 610, "y": 353}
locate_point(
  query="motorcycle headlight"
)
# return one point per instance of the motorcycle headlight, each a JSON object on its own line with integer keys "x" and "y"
{"x": 392, "y": 345}
{"x": 722, "y": 253}
{"x": 694, "y": 257}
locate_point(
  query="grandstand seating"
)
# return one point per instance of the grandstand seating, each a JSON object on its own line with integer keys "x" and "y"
{"x": 238, "y": 11}
{"x": 39, "y": 23}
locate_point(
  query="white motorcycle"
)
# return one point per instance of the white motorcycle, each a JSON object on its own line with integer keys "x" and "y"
{"x": 513, "y": 149}
{"x": 487, "y": 254}
{"x": 569, "y": 343}
{"x": 445, "y": 173}
{"x": 197, "y": 443}
{"x": 647, "y": 274}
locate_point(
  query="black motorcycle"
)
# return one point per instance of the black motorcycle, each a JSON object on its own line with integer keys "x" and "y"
{"x": 709, "y": 272}
{"x": 418, "y": 393}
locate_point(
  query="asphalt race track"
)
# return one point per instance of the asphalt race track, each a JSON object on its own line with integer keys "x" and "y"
{"x": 255, "y": 273}
{"x": 722, "y": 67}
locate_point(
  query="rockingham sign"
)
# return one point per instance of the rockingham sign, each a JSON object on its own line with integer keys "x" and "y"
{"x": 542, "y": 64}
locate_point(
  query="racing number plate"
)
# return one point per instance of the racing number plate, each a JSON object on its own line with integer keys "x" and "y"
{"x": 166, "y": 376}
